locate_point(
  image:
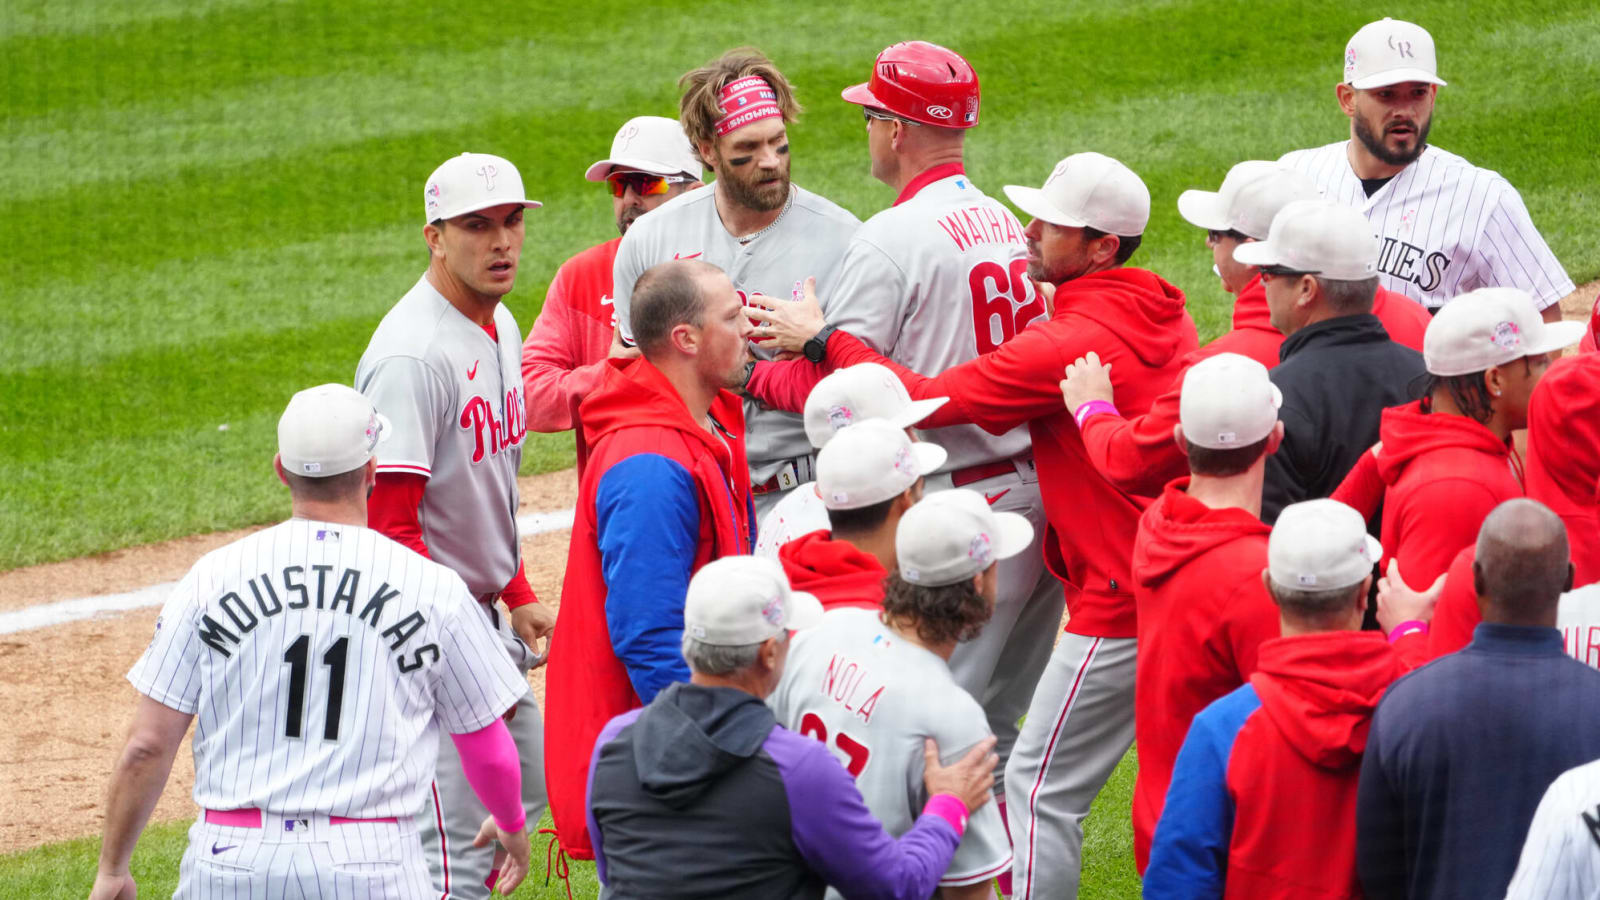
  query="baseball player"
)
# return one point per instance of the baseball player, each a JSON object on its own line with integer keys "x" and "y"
{"x": 444, "y": 367}
{"x": 765, "y": 232}
{"x": 934, "y": 281}
{"x": 650, "y": 163}
{"x": 1448, "y": 227}
{"x": 873, "y": 685}
{"x": 841, "y": 399}
{"x": 322, "y": 660}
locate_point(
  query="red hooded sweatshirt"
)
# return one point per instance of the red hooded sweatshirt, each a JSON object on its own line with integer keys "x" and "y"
{"x": 1136, "y": 321}
{"x": 1564, "y": 455}
{"x": 675, "y": 497}
{"x": 1203, "y": 614}
{"x": 1443, "y": 474}
{"x": 835, "y": 571}
{"x": 1138, "y": 454}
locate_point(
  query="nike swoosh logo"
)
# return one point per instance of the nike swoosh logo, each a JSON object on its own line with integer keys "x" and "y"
{"x": 215, "y": 849}
{"x": 690, "y": 256}
{"x": 473, "y": 372}
{"x": 996, "y": 496}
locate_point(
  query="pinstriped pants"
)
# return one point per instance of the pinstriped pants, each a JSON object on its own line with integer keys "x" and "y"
{"x": 311, "y": 861}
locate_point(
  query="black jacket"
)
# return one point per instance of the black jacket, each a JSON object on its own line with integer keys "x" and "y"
{"x": 1337, "y": 376}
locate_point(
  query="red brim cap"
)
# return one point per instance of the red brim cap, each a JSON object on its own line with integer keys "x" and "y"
{"x": 860, "y": 96}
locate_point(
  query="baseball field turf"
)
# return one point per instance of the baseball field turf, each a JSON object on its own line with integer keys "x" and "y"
{"x": 208, "y": 204}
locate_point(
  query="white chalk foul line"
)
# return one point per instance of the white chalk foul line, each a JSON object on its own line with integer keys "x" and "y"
{"x": 63, "y": 611}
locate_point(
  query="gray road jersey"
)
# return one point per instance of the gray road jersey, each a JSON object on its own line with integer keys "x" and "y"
{"x": 1447, "y": 226}
{"x": 454, "y": 398}
{"x": 872, "y": 697}
{"x": 807, "y": 241}
{"x": 933, "y": 282}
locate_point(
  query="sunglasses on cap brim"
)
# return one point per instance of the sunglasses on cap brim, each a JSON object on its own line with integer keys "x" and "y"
{"x": 643, "y": 183}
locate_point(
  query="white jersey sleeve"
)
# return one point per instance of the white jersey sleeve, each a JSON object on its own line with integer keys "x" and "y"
{"x": 1561, "y": 856}
{"x": 410, "y": 395}
{"x": 168, "y": 670}
{"x": 475, "y": 681}
{"x": 1512, "y": 252}
{"x": 870, "y": 296}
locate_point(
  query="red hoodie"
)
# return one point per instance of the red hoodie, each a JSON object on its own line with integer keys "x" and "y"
{"x": 1203, "y": 613}
{"x": 1138, "y": 454}
{"x": 1443, "y": 474}
{"x": 835, "y": 571}
{"x": 1564, "y": 455}
{"x": 1136, "y": 321}
{"x": 634, "y": 413}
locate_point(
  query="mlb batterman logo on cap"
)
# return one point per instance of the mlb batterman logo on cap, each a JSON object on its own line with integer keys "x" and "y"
{"x": 870, "y": 462}
{"x": 329, "y": 430}
{"x": 1251, "y": 195}
{"x": 1320, "y": 545}
{"x": 1317, "y": 237}
{"x": 953, "y": 535}
{"x": 1491, "y": 327}
{"x": 858, "y": 393}
{"x": 1088, "y": 189}
{"x": 470, "y": 182}
{"x": 1227, "y": 401}
{"x": 736, "y": 601}
{"x": 1387, "y": 52}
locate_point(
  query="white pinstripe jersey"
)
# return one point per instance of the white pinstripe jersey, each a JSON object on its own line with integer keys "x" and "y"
{"x": 1561, "y": 856}
{"x": 1447, "y": 226}
{"x": 454, "y": 397}
{"x": 873, "y": 697}
{"x": 320, "y": 661}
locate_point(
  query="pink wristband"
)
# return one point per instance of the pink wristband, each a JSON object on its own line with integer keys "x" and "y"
{"x": 1407, "y": 627}
{"x": 949, "y": 808}
{"x": 1094, "y": 407}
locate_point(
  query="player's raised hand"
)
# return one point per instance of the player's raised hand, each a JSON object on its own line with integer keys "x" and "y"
{"x": 113, "y": 887}
{"x": 971, "y": 777}
{"x": 786, "y": 324}
{"x": 1087, "y": 380}
{"x": 517, "y": 850}
{"x": 1398, "y": 602}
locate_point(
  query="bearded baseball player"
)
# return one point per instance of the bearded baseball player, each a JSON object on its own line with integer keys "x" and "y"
{"x": 444, "y": 367}
{"x": 651, "y": 162}
{"x": 1448, "y": 227}
{"x": 322, "y": 660}
{"x": 768, "y": 234}
{"x": 934, "y": 281}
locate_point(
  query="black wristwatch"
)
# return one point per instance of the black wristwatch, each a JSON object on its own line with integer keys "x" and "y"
{"x": 816, "y": 349}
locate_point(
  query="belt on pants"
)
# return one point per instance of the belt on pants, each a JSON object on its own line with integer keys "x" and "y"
{"x": 251, "y": 818}
{"x": 792, "y": 474}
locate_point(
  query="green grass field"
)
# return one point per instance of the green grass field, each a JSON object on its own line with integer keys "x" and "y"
{"x": 207, "y": 205}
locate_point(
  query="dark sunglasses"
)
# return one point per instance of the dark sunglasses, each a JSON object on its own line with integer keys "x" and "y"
{"x": 643, "y": 183}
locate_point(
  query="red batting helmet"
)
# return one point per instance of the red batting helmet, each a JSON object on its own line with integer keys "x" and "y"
{"x": 922, "y": 82}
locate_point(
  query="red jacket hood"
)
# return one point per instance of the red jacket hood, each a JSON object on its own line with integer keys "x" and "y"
{"x": 1178, "y": 529}
{"x": 835, "y": 571}
{"x": 1250, "y": 307}
{"x": 1137, "y": 305}
{"x": 1320, "y": 689}
{"x": 633, "y": 392}
{"x": 1408, "y": 433}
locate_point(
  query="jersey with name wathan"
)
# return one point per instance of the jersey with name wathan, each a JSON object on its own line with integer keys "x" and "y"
{"x": 320, "y": 661}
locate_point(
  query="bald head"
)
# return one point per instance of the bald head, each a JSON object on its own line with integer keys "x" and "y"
{"x": 1522, "y": 565}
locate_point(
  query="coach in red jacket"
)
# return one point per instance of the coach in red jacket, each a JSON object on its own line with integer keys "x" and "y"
{"x": 1197, "y": 561}
{"x": 1087, "y": 221}
{"x": 666, "y": 491}
{"x": 1137, "y": 453}
{"x": 1263, "y": 797}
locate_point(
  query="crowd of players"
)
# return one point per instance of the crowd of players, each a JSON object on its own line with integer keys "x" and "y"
{"x": 840, "y": 480}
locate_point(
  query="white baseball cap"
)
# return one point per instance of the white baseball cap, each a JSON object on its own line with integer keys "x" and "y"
{"x": 1320, "y": 545}
{"x": 470, "y": 182}
{"x": 1088, "y": 189}
{"x": 1228, "y": 401}
{"x": 651, "y": 144}
{"x": 1251, "y": 195}
{"x": 736, "y": 601}
{"x": 1491, "y": 327}
{"x": 1319, "y": 237}
{"x": 870, "y": 462}
{"x": 952, "y": 535}
{"x": 1390, "y": 51}
{"x": 329, "y": 430}
{"x": 860, "y": 392}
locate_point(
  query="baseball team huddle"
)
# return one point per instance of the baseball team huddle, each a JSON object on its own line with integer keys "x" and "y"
{"x": 839, "y": 483}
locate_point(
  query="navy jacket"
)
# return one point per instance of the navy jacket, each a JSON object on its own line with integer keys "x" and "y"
{"x": 1459, "y": 754}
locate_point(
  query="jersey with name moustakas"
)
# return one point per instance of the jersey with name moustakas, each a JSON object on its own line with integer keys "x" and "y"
{"x": 936, "y": 280}
{"x": 1447, "y": 226}
{"x": 872, "y": 697}
{"x": 453, "y": 395}
{"x": 320, "y": 662}
{"x": 806, "y": 241}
